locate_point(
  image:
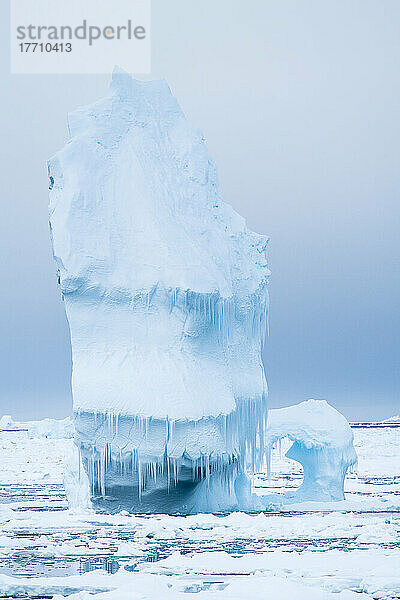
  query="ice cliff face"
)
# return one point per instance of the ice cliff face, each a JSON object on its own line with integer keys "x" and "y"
{"x": 166, "y": 296}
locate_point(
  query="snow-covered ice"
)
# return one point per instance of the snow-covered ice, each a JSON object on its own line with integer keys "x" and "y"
{"x": 344, "y": 550}
{"x": 47, "y": 428}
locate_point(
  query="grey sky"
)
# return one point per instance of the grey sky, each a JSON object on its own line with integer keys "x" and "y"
{"x": 299, "y": 103}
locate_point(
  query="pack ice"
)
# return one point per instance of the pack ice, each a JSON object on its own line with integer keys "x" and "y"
{"x": 165, "y": 292}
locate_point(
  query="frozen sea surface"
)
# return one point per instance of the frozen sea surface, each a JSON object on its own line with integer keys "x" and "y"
{"x": 348, "y": 550}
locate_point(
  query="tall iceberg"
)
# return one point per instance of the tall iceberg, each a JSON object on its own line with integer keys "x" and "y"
{"x": 166, "y": 297}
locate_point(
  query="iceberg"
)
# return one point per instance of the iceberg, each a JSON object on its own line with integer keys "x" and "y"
{"x": 165, "y": 291}
{"x": 322, "y": 444}
{"x": 166, "y": 295}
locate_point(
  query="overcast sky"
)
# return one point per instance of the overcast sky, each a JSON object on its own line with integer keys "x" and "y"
{"x": 299, "y": 103}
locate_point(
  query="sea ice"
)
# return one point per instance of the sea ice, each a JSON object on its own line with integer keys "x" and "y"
{"x": 346, "y": 549}
{"x": 45, "y": 428}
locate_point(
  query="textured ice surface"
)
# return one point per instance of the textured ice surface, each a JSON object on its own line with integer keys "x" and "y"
{"x": 166, "y": 298}
{"x": 346, "y": 550}
{"x": 322, "y": 444}
{"x": 76, "y": 482}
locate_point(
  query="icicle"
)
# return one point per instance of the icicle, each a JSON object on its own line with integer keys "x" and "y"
{"x": 268, "y": 460}
{"x": 139, "y": 470}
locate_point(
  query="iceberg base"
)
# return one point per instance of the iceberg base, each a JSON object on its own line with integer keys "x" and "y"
{"x": 157, "y": 466}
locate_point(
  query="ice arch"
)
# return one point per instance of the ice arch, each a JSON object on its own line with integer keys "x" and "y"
{"x": 322, "y": 444}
